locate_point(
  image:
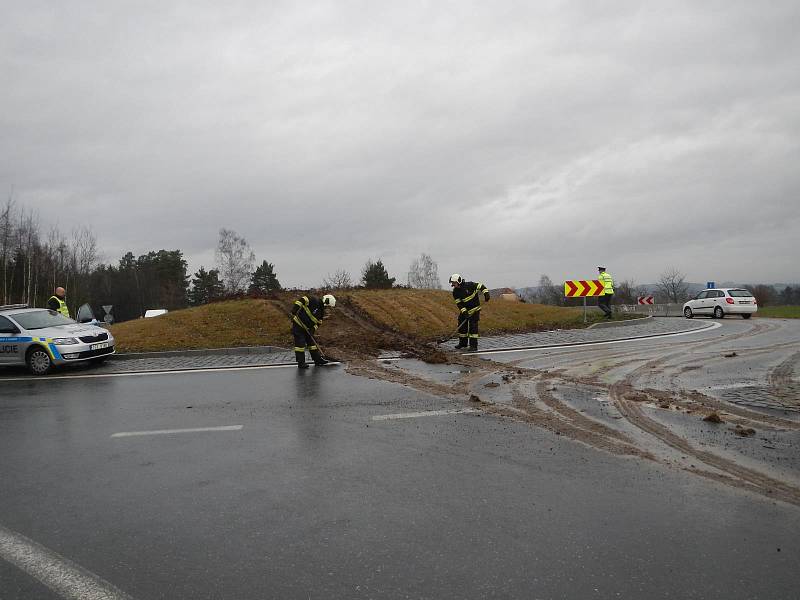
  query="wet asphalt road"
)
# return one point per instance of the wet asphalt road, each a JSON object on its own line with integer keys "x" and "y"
{"x": 311, "y": 498}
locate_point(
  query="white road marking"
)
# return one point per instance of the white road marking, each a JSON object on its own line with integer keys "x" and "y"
{"x": 61, "y": 575}
{"x": 425, "y": 413}
{"x": 730, "y": 386}
{"x": 171, "y": 431}
{"x": 166, "y": 372}
{"x": 580, "y": 344}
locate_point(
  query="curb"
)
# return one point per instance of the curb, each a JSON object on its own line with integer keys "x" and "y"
{"x": 204, "y": 352}
{"x": 623, "y": 323}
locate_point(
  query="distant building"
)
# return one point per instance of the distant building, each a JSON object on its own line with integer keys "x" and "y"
{"x": 506, "y": 294}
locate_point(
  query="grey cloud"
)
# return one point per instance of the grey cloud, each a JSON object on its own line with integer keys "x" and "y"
{"x": 511, "y": 139}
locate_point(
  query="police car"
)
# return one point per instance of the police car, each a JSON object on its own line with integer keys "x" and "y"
{"x": 42, "y": 338}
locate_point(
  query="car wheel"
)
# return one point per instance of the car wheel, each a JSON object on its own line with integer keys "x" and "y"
{"x": 719, "y": 313}
{"x": 687, "y": 312}
{"x": 746, "y": 315}
{"x": 38, "y": 361}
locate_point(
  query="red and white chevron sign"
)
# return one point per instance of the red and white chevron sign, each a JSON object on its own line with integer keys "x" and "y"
{"x": 583, "y": 287}
{"x": 644, "y": 300}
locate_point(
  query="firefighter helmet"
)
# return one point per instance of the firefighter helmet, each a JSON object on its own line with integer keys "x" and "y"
{"x": 329, "y": 300}
{"x": 456, "y": 278}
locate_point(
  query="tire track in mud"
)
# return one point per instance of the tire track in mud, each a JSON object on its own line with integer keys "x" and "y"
{"x": 562, "y": 423}
{"x": 737, "y": 475}
{"x": 557, "y": 416}
{"x": 690, "y": 399}
{"x": 781, "y": 383}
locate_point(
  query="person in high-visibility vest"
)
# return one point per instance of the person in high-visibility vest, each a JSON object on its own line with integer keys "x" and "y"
{"x": 58, "y": 302}
{"x": 604, "y": 301}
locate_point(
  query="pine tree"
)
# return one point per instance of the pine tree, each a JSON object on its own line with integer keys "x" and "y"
{"x": 264, "y": 279}
{"x": 206, "y": 286}
{"x": 375, "y": 276}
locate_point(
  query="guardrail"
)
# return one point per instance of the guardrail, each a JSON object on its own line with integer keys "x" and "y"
{"x": 655, "y": 310}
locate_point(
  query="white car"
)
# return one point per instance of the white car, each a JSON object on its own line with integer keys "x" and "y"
{"x": 719, "y": 302}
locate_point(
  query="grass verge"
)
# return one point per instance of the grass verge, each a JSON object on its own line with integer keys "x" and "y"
{"x": 779, "y": 312}
{"x": 365, "y": 320}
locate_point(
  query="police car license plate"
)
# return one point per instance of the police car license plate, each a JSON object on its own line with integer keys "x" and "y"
{"x": 99, "y": 346}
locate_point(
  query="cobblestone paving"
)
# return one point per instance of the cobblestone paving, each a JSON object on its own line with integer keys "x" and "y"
{"x": 178, "y": 363}
{"x": 757, "y": 397}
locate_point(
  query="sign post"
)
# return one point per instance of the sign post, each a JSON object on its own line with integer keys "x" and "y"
{"x": 575, "y": 288}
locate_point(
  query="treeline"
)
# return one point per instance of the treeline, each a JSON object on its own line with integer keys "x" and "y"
{"x": 34, "y": 262}
{"x": 670, "y": 288}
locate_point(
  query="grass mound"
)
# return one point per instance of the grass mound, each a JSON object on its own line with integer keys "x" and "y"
{"x": 364, "y": 322}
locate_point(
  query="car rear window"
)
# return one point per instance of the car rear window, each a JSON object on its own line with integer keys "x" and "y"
{"x": 740, "y": 294}
{"x": 41, "y": 319}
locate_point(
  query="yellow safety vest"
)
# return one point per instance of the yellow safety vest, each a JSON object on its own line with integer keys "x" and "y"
{"x": 62, "y": 306}
{"x": 608, "y": 283}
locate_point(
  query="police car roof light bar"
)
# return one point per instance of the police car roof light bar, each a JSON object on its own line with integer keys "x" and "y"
{"x": 12, "y": 306}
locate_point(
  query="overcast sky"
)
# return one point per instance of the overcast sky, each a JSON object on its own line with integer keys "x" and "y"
{"x": 505, "y": 139}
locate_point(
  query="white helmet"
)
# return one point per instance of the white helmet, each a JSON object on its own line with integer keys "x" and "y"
{"x": 329, "y": 300}
{"x": 456, "y": 278}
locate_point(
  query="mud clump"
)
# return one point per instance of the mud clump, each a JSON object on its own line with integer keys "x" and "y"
{"x": 429, "y": 355}
{"x": 713, "y": 418}
{"x": 637, "y": 397}
{"x": 474, "y": 398}
{"x": 664, "y": 405}
{"x": 744, "y": 431}
{"x": 731, "y": 355}
{"x": 492, "y": 384}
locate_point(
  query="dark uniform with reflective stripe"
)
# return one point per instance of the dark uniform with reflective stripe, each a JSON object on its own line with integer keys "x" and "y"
{"x": 466, "y": 297}
{"x": 307, "y": 314}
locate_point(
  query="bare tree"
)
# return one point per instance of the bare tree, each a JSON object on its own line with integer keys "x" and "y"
{"x": 548, "y": 292}
{"x": 627, "y": 292}
{"x": 83, "y": 260}
{"x": 235, "y": 259}
{"x": 28, "y": 246}
{"x": 338, "y": 281}
{"x": 424, "y": 273}
{"x": 7, "y": 231}
{"x": 672, "y": 286}
{"x": 764, "y": 294}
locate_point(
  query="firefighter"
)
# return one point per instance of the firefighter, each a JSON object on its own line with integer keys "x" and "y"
{"x": 307, "y": 314}
{"x": 465, "y": 293}
{"x": 58, "y": 302}
{"x": 604, "y": 301}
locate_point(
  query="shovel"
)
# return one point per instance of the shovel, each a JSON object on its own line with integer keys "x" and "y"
{"x": 321, "y": 353}
{"x": 449, "y": 337}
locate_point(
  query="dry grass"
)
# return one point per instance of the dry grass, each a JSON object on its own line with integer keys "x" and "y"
{"x": 367, "y": 320}
{"x": 432, "y": 313}
{"x": 218, "y": 325}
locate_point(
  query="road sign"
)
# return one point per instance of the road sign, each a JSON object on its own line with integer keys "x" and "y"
{"x": 644, "y": 300}
{"x": 711, "y": 285}
{"x": 582, "y": 287}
